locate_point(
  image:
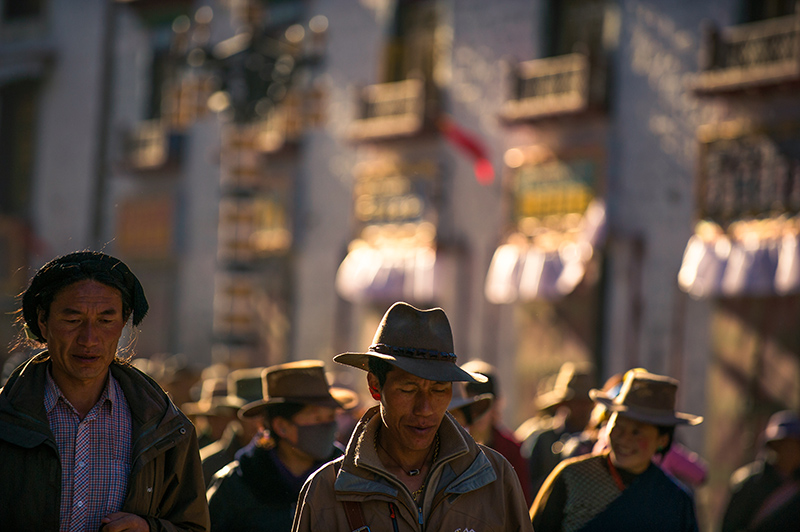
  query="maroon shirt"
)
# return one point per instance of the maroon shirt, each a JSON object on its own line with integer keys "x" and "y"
{"x": 504, "y": 443}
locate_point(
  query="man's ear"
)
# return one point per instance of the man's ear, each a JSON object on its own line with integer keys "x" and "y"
{"x": 42, "y": 323}
{"x": 372, "y": 381}
{"x": 374, "y": 386}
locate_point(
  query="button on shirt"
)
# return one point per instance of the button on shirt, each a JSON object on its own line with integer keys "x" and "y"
{"x": 95, "y": 455}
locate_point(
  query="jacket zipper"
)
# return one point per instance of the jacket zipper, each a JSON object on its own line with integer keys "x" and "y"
{"x": 393, "y": 516}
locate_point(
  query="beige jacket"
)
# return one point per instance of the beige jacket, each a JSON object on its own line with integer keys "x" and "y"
{"x": 471, "y": 488}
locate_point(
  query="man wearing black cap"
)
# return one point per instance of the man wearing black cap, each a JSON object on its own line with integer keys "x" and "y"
{"x": 88, "y": 442}
{"x": 409, "y": 465}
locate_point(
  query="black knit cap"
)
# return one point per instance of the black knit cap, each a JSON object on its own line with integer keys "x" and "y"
{"x": 68, "y": 269}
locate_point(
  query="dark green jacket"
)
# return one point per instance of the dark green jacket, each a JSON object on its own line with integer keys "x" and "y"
{"x": 165, "y": 485}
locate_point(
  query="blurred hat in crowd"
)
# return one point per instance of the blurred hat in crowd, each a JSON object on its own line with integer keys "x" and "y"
{"x": 478, "y": 403}
{"x": 647, "y": 397}
{"x": 573, "y": 381}
{"x": 245, "y": 384}
{"x": 215, "y": 400}
{"x": 417, "y": 341}
{"x": 782, "y": 425}
{"x": 177, "y": 367}
{"x": 491, "y": 386}
{"x": 301, "y": 382}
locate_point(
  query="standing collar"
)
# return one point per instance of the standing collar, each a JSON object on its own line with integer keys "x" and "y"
{"x": 52, "y": 393}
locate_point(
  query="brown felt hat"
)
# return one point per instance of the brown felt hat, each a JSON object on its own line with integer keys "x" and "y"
{"x": 572, "y": 382}
{"x": 478, "y": 403}
{"x": 417, "y": 341}
{"x": 215, "y": 400}
{"x": 647, "y": 397}
{"x": 302, "y": 382}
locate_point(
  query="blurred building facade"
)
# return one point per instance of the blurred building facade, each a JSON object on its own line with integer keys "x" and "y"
{"x": 606, "y": 182}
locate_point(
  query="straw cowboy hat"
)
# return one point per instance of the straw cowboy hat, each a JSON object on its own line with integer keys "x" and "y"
{"x": 417, "y": 341}
{"x": 647, "y": 397}
{"x": 478, "y": 404}
{"x": 302, "y": 382}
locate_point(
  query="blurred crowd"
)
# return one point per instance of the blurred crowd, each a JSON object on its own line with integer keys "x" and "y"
{"x": 90, "y": 437}
{"x": 568, "y": 423}
{"x": 230, "y": 410}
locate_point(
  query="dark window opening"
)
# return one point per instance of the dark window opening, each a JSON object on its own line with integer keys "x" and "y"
{"x": 18, "y": 9}
{"x": 755, "y": 10}
{"x": 18, "y": 103}
{"x": 410, "y": 49}
{"x": 576, "y": 26}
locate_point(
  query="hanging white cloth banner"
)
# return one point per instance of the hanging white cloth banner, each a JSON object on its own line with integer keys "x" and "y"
{"x": 522, "y": 270}
{"x": 387, "y": 273}
{"x": 753, "y": 258}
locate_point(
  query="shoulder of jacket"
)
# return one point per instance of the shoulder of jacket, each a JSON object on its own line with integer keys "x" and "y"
{"x": 746, "y": 473}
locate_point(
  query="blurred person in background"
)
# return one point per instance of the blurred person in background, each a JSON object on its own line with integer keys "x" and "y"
{"x": 258, "y": 492}
{"x": 244, "y": 387}
{"x": 565, "y": 411}
{"x": 465, "y": 408}
{"x": 408, "y": 465}
{"x": 586, "y": 441}
{"x": 87, "y": 441}
{"x": 622, "y": 489}
{"x": 178, "y": 378}
{"x": 347, "y": 418}
{"x": 213, "y": 412}
{"x": 765, "y": 495}
{"x": 487, "y": 428}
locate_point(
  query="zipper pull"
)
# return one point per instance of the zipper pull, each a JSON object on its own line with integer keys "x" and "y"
{"x": 419, "y": 510}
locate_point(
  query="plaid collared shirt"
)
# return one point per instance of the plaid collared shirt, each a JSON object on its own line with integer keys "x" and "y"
{"x": 95, "y": 455}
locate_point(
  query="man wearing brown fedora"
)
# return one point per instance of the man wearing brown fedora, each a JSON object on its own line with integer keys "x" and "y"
{"x": 409, "y": 465}
{"x": 258, "y": 491}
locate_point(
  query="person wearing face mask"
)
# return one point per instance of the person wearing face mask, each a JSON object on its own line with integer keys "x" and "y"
{"x": 621, "y": 488}
{"x": 258, "y": 492}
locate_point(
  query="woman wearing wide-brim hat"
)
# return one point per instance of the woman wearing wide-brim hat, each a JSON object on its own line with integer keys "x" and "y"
{"x": 622, "y": 489}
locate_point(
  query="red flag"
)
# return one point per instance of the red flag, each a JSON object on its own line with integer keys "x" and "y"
{"x": 484, "y": 172}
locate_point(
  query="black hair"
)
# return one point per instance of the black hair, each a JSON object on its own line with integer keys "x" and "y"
{"x": 380, "y": 368}
{"x": 67, "y": 270}
{"x": 669, "y": 430}
{"x": 467, "y": 411}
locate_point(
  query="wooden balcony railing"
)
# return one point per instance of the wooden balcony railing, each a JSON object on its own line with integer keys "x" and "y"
{"x": 751, "y": 55}
{"x": 546, "y": 87}
{"x": 282, "y": 126}
{"x": 390, "y": 110}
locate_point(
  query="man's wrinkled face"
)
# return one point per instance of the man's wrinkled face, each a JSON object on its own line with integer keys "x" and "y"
{"x": 82, "y": 331}
{"x": 412, "y": 408}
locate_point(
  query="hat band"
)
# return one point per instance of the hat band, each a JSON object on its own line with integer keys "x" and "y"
{"x": 413, "y": 352}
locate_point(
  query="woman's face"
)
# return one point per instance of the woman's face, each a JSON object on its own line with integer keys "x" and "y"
{"x": 633, "y": 443}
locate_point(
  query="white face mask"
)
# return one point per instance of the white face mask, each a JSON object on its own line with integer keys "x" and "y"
{"x": 317, "y": 440}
